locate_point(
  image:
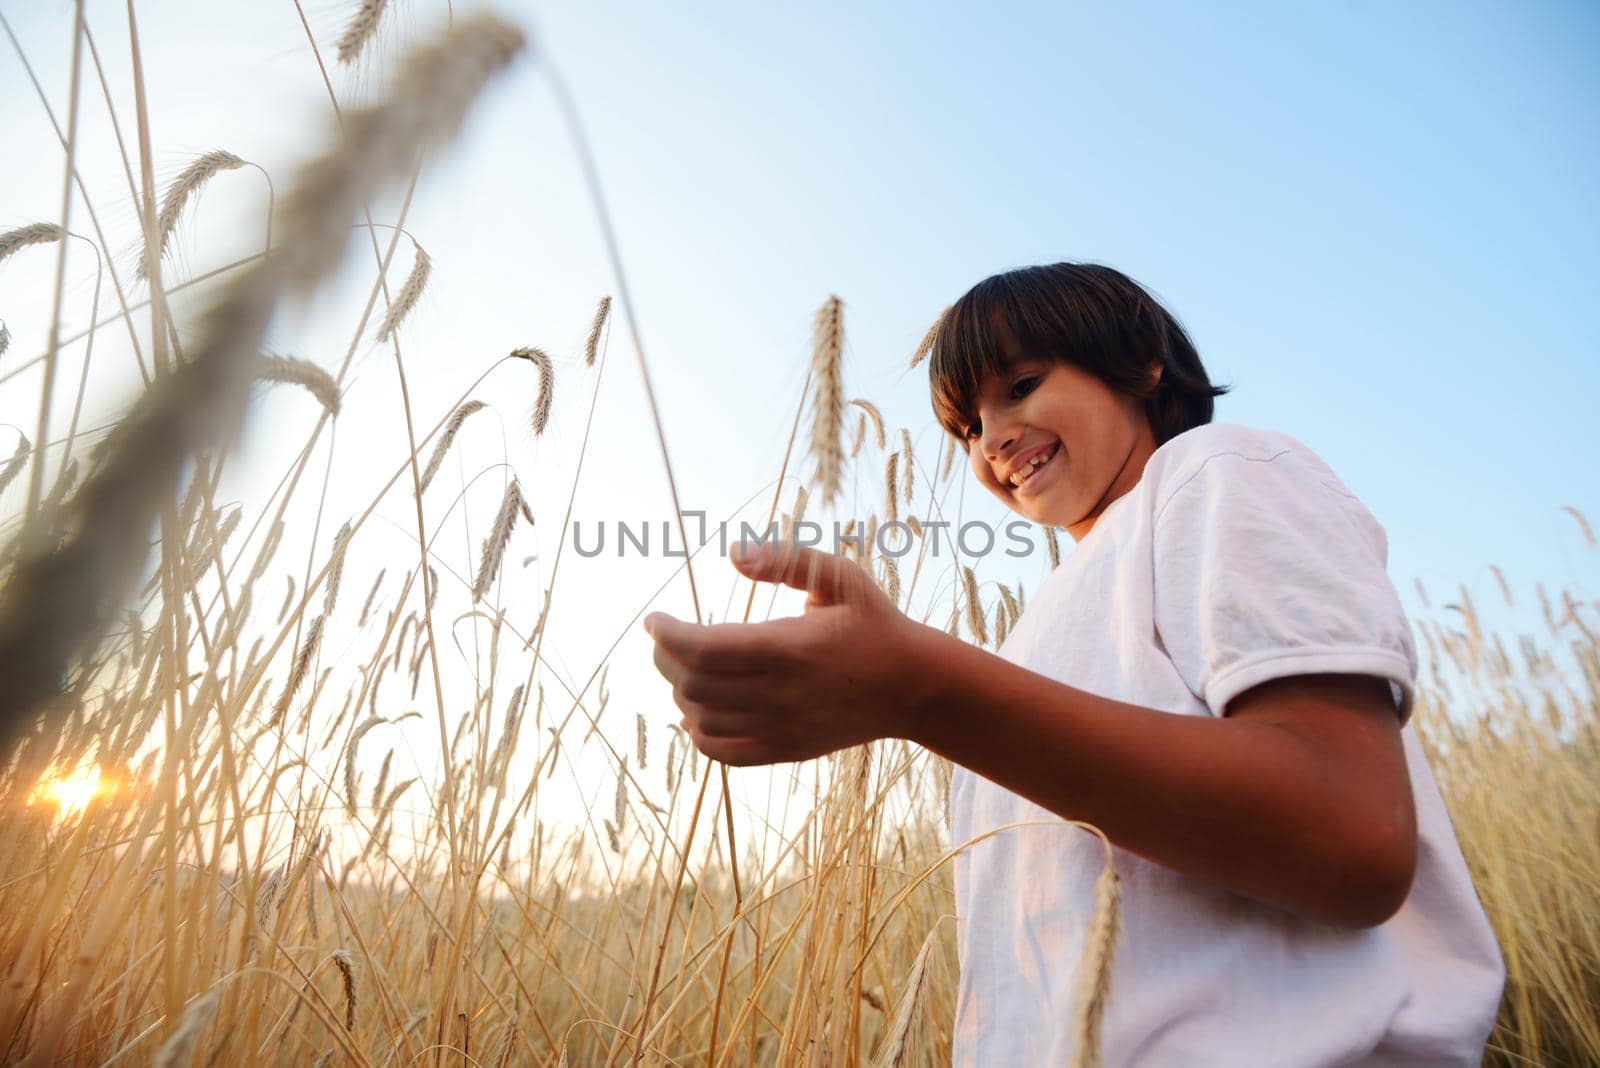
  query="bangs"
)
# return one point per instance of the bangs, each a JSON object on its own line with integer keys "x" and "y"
{"x": 967, "y": 348}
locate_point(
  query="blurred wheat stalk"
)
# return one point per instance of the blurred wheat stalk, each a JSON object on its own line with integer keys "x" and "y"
{"x": 203, "y": 860}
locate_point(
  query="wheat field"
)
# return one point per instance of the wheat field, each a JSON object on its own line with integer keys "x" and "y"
{"x": 254, "y": 809}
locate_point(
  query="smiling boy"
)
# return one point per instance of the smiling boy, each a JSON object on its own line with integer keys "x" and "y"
{"x": 1219, "y": 677}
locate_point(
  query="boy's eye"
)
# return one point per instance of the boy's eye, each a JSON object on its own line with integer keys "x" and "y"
{"x": 1023, "y": 386}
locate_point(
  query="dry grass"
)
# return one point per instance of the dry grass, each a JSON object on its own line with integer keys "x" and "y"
{"x": 268, "y": 871}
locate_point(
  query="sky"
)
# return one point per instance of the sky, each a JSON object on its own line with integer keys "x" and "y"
{"x": 1377, "y": 222}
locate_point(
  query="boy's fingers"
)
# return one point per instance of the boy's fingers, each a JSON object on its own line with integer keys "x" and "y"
{"x": 825, "y": 576}
{"x": 729, "y": 647}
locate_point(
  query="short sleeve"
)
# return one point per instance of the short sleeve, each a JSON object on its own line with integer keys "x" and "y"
{"x": 1265, "y": 567}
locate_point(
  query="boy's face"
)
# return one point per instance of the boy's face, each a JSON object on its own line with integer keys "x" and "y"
{"x": 1056, "y": 444}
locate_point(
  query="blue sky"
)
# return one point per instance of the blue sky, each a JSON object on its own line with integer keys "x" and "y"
{"x": 1377, "y": 221}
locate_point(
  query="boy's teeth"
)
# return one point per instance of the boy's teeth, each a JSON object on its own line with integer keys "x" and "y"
{"x": 1023, "y": 475}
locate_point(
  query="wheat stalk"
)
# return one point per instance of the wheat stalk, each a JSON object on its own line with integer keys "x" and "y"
{"x": 184, "y": 186}
{"x": 925, "y": 346}
{"x": 494, "y": 546}
{"x": 591, "y": 346}
{"x": 361, "y": 28}
{"x": 547, "y": 386}
{"x": 302, "y": 373}
{"x": 409, "y": 294}
{"x": 40, "y": 233}
{"x": 451, "y": 428}
{"x": 56, "y": 599}
{"x": 827, "y": 402}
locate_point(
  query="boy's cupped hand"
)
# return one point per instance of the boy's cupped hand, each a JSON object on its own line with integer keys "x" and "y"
{"x": 792, "y": 689}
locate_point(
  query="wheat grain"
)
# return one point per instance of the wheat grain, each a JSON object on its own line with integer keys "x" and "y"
{"x": 907, "y": 465}
{"x": 494, "y": 546}
{"x": 896, "y": 1048}
{"x": 591, "y": 345}
{"x": 347, "y": 971}
{"x": 184, "y": 186}
{"x": 302, "y": 663}
{"x": 19, "y": 457}
{"x": 871, "y": 412}
{"x": 303, "y": 373}
{"x": 925, "y": 346}
{"x": 1094, "y": 968}
{"x": 827, "y": 400}
{"x": 547, "y": 386}
{"x": 410, "y": 293}
{"x": 366, "y": 606}
{"x": 969, "y": 584}
{"x": 361, "y": 28}
{"x": 178, "y": 1051}
{"x": 1577, "y": 516}
{"x": 947, "y": 463}
{"x": 451, "y": 428}
{"x": 340, "y": 542}
{"x": 40, "y": 233}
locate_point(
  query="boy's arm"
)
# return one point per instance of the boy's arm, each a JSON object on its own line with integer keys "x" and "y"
{"x": 1298, "y": 798}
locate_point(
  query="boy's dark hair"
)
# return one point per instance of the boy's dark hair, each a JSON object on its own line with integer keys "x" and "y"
{"x": 1085, "y": 314}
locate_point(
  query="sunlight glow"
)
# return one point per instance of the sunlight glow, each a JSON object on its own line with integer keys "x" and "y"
{"x": 71, "y": 793}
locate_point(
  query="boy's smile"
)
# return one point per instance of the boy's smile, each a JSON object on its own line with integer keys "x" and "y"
{"x": 1057, "y": 444}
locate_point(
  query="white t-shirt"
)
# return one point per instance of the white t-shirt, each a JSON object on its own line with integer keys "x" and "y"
{"x": 1239, "y": 557}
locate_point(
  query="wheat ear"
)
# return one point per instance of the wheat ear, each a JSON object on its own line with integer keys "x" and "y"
{"x": 336, "y": 575}
{"x": 347, "y": 971}
{"x": 361, "y": 28}
{"x": 57, "y": 598}
{"x": 409, "y": 294}
{"x": 14, "y": 465}
{"x": 494, "y": 546}
{"x": 5, "y": 338}
{"x": 907, "y": 468}
{"x": 14, "y": 241}
{"x": 896, "y": 1049}
{"x": 302, "y": 373}
{"x": 1583, "y": 524}
{"x": 891, "y": 478}
{"x": 591, "y": 346}
{"x": 925, "y": 346}
{"x": 827, "y": 402}
{"x": 1094, "y": 968}
{"x": 184, "y": 186}
{"x": 547, "y": 386}
{"x": 969, "y": 583}
{"x": 876, "y": 416}
{"x": 448, "y": 437}
{"x": 178, "y": 1050}
{"x": 1053, "y": 545}
{"x": 302, "y": 664}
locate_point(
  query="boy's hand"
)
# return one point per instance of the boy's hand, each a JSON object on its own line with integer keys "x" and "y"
{"x": 792, "y": 689}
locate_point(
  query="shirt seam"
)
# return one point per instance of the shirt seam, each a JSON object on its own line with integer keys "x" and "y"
{"x": 1197, "y": 471}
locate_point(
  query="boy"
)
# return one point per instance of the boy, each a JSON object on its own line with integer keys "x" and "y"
{"x": 1217, "y": 677}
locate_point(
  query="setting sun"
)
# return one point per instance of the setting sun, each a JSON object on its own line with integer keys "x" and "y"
{"x": 71, "y": 793}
